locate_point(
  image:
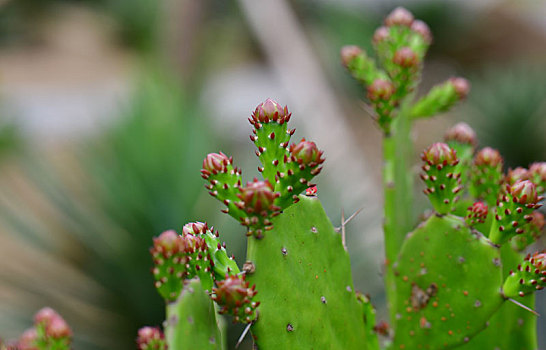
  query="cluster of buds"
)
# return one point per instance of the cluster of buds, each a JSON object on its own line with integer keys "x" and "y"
{"x": 287, "y": 171}
{"x": 440, "y": 176}
{"x": 476, "y": 214}
{"x": 486, "y": 175}
{"x": 514, "y": 211}
{"x": 151, "y": 338}
{"x": 235, "y": 296}
{"x": 50, "y": 331}
{"x": 529, "y": 276}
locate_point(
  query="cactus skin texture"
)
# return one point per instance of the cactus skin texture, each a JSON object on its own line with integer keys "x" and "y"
{"x": 191, "y": 320}
{"x": 439, "y": 304}
{"x": 305, "y": 287}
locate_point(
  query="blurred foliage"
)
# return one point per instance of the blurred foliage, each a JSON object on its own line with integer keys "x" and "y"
{"x": 508, "y": 108}
{"x": 131, "y": 183}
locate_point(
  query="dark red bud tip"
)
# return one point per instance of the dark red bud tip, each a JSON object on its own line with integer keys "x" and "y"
{"x": 461, "y": 133}
{"x": 539, "y": 170}
{"x": 524, "y": 191}
{"x": 349, "y": 53}
{"x": 488, "y": 156}
{"x": 517, "y": 174}
{"x": 440, "y": 154}
{"x": 461, "y": 85}
{"x": 215, "y": 162}
{"x": 148, "y": 335}
{"x": 195, "y": 228}
{"x": 381, "y": 34}
{"x": 270, "y": 110}
{"x": 399, "y": 16}
{"x": 422, "y": 29}
{"x": 405, "y": 57}
{"x": 380, "y": 90}
{"x": 306, "y": 152}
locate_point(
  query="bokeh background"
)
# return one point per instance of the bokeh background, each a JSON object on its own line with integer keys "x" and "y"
{"x": 107, "y": 108}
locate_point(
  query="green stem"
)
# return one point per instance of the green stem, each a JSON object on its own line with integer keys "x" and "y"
{"x": 398, "y": 191}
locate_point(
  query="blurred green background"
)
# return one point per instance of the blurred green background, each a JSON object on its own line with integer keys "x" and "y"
{"x": 107, "y": 108}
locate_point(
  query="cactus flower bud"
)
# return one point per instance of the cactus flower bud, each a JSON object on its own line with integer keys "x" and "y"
{"x": 477, "y": 213}
{"x": 530, "y": 276}
{"x": 461, "y": 86}
{"x": 235, "y": 296}
{"x": 58, "y": 328}
{"x": 537, "y": 173}
{"x": 515, "y": 175}
{"x": 405, "y": 57}
{"x": 525, "y": 192}
{"x": 215, "y": 162}
{"x": 399, "y": 16}
{"x": 349, "y": 53}
{"x": 380, "y": 90}
{"x": 270, "y": 110}
{"x": 461, "y": 133}
{"x": 422, "y": 29}
{"x": 306, "y": 152}
{"x": 167, "y": 244}
{"x": 258, "y": 196}
{"x": 488, "y": 157}
{"x": 151, "y": 338}
{"x": 28, "y": 339}
{"x": 440, "y": 154}
{"x": 45, "y": 316}
{"x": 380, "y": 34}
{"x": 195, "y": 228}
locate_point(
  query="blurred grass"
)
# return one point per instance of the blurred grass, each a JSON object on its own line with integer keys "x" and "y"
{"x": 96, "y": 207}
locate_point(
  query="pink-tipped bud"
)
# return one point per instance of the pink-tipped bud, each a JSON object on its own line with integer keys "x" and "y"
{"x": 58, "y": 328}
{"x": 258, "y": 195}
{"x": 27, "y": 341}
{"x": 167, "y": 244}
{"x": 525, "y": 192}
{"x": 233, "y": 292}
{"x": 515, "y": 175}
{"x": 399, "y": 16}
{"x": 422, "y": 29}
{"x": 195, "y": 228}
{"x": 405, "y": 57}
{"x": 380, "y": 90}
{"x": 270, "y": 110}
{"x": 349, "y": 53}
{"x": 539, "y": 261}
{"x": 461, "y": 133}
{"x": 489, "y": 157}
{"x": 538, "y": 170}
{"x": 306, "y": 152}
{"x": 148, "y": 336}
{"x": 45, "y": 316}
{"x": 461, "y": 86}
{"x": 440, "y": 154}
{"x": 380, "y": 34}
{"x": 477, "y": 213}
{"x": 215, "y": 162}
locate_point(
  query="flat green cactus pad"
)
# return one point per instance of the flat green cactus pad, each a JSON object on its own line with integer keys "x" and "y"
{"x": 303, "y": 278}
{"x": 191, "y": 320}
{"x": 448, "y": 282}
{"x": 512, "y": 327}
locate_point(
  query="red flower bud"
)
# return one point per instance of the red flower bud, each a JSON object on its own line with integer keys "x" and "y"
{"x": 477, "y": 213}
{"x": 461, "y": 85}
{"x": 538, "y": 170}
{"x": 538, "y": 260}
{"x": 461, "y": 133}
{"x": 515, "y": 175}
{"x": 399, "y": 16}
{"x": 258, "y": 195}
{"x": 148, "y": 336}
{"x": 422, "y": 29}
{"x": 270, "y": 110}
{"x": 380, "y": 90}
{"x": 27, "y": 341}
{"x": 380, "y": 34}
{"x": 58, "y": 328}
{"x": 195, "y": 228}
{"x": 349, "y": 53}
{"x": 215, "y": 162}
{"x": 405, "y": 57}
{"x": 525, "y": 192}
{"x": 306, "y": 152}
{"x": 167, "y": 244}
{"x": 488, "y": 156}
{"x": 440, "y": 153}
